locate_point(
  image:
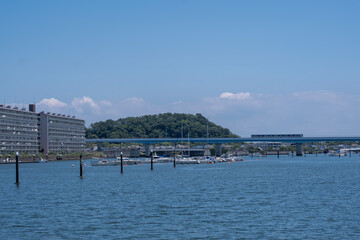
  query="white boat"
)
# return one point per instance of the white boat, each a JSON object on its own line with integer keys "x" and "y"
{"x": 127, "y": 161}
{"x": 336, "y": 154}
{"x": 41, "y": 160}
{"x": 103, "y": 162}
{"x": 131, "y": 162}
{"x": 117, "y": 162}
{"x": 184, "y": 160}
{"x": 164, "y": 160}
{"x": 238, "y": 159}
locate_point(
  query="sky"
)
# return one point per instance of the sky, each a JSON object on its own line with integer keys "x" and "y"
{"x": 255, "y": 67}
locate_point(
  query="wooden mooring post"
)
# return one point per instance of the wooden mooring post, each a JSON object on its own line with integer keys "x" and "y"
{"x": 81, "y": 166}
{"x": 151, "y": 161}
{"x": 174, "y": 155}
{"x": 17, "y": 169}
{"x": 121, "y": 162}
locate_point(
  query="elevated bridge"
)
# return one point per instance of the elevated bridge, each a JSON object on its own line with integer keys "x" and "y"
{"x": 298, "y": 141}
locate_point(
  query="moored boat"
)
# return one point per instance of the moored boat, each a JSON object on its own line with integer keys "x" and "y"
{"x": 336, "y": 154}
{"x": 41, "y": 160}
{"x": 103, "y": 162}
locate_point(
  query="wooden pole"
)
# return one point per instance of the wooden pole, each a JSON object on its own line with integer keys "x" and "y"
{"x": 152, "y": 157}
{"x": 174, "y": 155}
{"x": 17, "y": 169}
{"x": 121, "y": 162}
{"x": 81, "y": 165}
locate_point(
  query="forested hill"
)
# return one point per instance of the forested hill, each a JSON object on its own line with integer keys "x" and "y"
{"x": 158, "y": 126}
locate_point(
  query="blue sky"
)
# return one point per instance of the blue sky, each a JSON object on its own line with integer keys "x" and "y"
{"x": 251, "y": 66}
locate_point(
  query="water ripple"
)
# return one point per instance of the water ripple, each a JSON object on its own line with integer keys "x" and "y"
{"x": 286, "y": 198}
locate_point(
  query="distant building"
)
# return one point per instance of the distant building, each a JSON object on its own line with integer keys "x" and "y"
{"x": 61, "y": 133}
{"x": 28, "y": 132}
{"x": 18, "y": 130}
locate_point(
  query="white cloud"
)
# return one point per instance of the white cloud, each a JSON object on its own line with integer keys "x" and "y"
{"x": 52, "y": 103}
{"x": 105, "y": 102}
{"x": 92, "y": 111}
{"x": 235, "y": 96}
{"x": 134, "y": 100}
{"x": 177, "y": 102}
{"x": 321, "y": 95}
{"x": 84, "y": 103}
{"x": 317, "y": 113}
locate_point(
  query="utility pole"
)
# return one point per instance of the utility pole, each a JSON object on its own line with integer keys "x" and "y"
{"x": 189, "y": 144}
{"x": 182, "y": 139}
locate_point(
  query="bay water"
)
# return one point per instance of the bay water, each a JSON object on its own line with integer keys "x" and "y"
{"x": 312, "y": 197}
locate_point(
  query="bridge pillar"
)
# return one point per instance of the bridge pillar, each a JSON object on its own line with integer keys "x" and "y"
{"x": 99, "y": 146}
{"x": 299, "y": 149}
{"x": 147, "y": 150}
{"x": 218, "y": 149}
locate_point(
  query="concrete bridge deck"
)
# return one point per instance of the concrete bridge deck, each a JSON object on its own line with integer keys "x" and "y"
{"x": 223, "y": 140}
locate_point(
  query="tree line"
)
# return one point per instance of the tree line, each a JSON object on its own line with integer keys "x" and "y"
{"x": 170, "y": 125}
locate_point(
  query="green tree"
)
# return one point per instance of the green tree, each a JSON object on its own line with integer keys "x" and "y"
{"x": 157, "y": 126}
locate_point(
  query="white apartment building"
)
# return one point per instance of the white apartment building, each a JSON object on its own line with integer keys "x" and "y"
{"x": 28, "y": 132}
{"x": 61, "y": 133}
{"x": 18, "y": 130}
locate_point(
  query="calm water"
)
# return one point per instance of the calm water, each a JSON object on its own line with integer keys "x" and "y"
{"x": 270, "y": 198}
